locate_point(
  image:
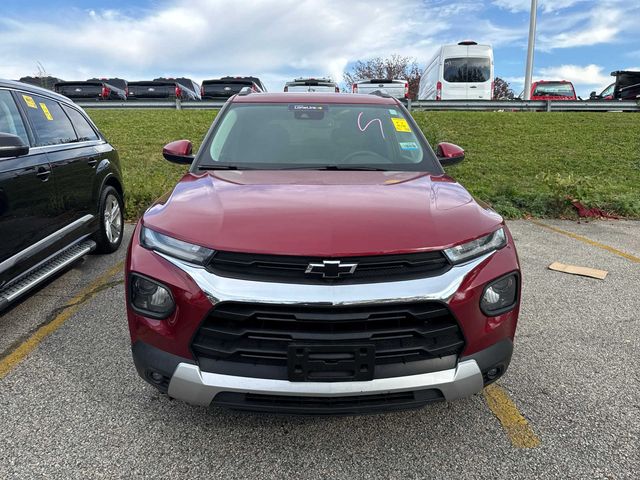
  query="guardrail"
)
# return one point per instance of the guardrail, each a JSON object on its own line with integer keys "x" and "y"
{"x": 506, "y": 105}
{"x": 526, "y": 105}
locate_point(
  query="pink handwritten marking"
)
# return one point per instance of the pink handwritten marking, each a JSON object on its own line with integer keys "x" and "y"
{"x": 362, "y": 129}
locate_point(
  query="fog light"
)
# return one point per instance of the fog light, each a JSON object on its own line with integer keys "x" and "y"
{"x": 151, "y": 298}
{"x": 500, "y": 295}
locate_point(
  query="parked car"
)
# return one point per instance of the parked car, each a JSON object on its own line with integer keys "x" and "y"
{"x": 606, "y": 94}
{"x": 226, "y": 87}
{"x": 626, "y": 87}
{"x": 395, "y": 87}
{"x": 164, "y": 88}
{"x": 459, "y": 72}
{"x": 312, "y": 85}
{"x": 553, "y": 90}
{"x": 61, "y": 193}
{"x": 87, "y": 90}
{"x": 335, "y": 267}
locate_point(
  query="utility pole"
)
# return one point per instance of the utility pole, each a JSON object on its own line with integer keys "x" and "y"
{"x": 530, "y": 49}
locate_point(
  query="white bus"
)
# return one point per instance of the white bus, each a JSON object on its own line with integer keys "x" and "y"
{"x": 459, "y": 72}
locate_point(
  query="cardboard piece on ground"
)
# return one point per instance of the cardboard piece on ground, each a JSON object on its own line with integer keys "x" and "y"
{"x": 576, "y": 270}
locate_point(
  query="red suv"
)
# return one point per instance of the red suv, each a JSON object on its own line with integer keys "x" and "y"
{"x": 553, "y": 90}
{"x": 317, "y": 259}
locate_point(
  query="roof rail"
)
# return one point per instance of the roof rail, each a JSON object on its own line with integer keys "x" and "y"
{"x": 245, "y": 91}
{"x": 381, "y": 93}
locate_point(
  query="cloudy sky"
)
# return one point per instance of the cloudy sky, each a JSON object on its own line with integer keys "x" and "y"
{"x": 578, "y": 40}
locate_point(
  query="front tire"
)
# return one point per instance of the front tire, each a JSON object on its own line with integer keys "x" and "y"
{"x": 111, "y": 227}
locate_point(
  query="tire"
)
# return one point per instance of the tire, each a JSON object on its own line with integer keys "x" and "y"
{"x": 111, "y": 226}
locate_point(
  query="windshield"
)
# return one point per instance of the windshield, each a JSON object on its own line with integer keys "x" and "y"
{"x": 554, "y": 89}
{"x": 467, "y": 69}
{"x": 297, "y": 135}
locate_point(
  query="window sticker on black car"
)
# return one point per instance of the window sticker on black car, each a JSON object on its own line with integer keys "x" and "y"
{"x": 46, "y": 112}
{"x": 29, "y": 101}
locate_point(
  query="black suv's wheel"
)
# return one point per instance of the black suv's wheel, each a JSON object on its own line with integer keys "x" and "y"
{"x": 109, "y": 234}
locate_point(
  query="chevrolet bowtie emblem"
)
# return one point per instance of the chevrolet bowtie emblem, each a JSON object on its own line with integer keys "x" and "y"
{"x": 331, "y": 268}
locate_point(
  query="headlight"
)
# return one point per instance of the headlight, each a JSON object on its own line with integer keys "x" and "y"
{"x": 150, "y": 298}
{"x": 500, "y": 295}
{"x": 173, "y": 247}
{"x": 475, "y": 248}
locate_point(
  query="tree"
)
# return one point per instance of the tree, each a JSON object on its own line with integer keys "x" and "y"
{"x": 502, "y": 90}
{"x": 395, "y": 66}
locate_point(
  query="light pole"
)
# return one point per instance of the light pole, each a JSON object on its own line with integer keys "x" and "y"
{"x": 530, "y": 48}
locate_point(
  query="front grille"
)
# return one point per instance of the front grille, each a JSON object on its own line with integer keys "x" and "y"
{"x": 237, "y": 335}
{"x": 327, "y": 405}
{"x": 292, "y": 269}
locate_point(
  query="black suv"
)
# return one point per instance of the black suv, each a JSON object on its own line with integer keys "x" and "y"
{"x": 61, "y": 192}
{"x": 226, "y": 87}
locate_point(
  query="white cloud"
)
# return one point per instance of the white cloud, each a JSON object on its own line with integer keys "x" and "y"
{"x": 599, "y": 25}
{"x": 544, "y": 5}
{"x": 274, "y": 39}
{"x": 579, "y": 75}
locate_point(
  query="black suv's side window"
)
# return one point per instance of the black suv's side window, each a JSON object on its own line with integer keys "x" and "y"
{"x": 10, "y": 119}
{"x": 50, "y": 123}
{"x": 84, "y": 130}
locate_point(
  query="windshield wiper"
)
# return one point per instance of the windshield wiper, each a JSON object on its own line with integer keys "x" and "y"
{"x": 222, "y": 167}
{"x": 338, "y": 167}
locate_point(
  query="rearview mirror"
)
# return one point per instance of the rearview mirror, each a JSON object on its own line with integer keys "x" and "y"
{"x": 449, "y": 154}
{"x": 179, "y": 152}
{"x": 12, "y": 146}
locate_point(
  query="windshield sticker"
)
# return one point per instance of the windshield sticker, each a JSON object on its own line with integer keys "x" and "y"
{"x": 362, "y": 129}
{"x": 29, "y": 101}
{"x": 307, "y": 107}
{"x": 408, "y": 146}
{"x": 400, "y": 124}
{"x": 46, "y": 112}
{"x": 393, "y": 112}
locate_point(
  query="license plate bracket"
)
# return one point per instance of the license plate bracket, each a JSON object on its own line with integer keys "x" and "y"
{"x": 331, "y": 363}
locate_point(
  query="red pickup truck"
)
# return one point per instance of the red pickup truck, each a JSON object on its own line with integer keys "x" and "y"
{"x": 317, "y": 259}
{"x": 553, "y": 90}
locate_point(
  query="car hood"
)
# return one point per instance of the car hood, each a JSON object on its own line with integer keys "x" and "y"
{"x": 320, "y": 213}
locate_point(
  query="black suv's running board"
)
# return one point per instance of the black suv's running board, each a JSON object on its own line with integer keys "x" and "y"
{"x": 45, "y": 271}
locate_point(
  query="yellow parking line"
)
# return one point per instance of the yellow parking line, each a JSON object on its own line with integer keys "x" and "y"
{"x": 515, "y": 425}
{"x": 8, "y": 362}
{"x": 588, "y": 241}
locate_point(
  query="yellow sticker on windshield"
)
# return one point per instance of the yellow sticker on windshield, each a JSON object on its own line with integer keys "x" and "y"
{"x": 46, "y": 111}
{"x": 29, "y": 101}
{"x": 400, "y": 124}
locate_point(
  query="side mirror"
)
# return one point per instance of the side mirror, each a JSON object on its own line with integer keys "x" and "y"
{"x": 593, "y": 95}
{"x": 449, "y": 154}
{"x": 12, "y": 146}
{"x": 179, "y": 151}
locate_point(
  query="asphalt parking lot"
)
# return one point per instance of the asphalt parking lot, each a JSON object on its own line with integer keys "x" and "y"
{"x": 72, "y": 405}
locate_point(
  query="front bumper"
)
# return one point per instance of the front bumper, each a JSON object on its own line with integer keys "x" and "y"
{"x": 185, "y": 381}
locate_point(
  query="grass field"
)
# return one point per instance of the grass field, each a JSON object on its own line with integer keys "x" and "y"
{"x": 521, "y": 163}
